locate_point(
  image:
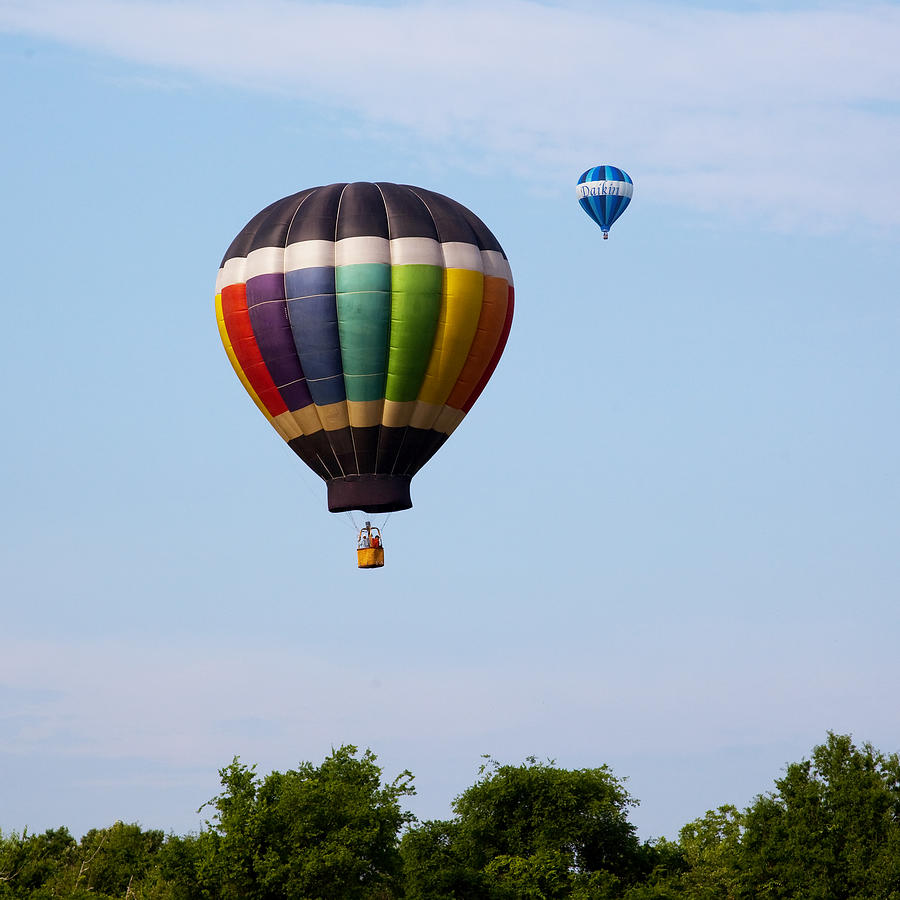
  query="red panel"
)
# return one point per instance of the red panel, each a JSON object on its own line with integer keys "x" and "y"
{"x": 240, "y": 332}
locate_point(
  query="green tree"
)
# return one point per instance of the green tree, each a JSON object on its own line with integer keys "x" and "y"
{"x": 113, "y": 859}
{"x": 323, "y": 832}
{"x": 31, "y": 862}
{"x": 437, "y": 865}
{"x": 536, "y": 807}
{"x": 666, "y": 863}
{"x": 830, "y": 831}
{"x": 544, "y": 873}
{"x": 712, "y": 855}
{"x": 106, "y": 863}
{"x": 178, "y": 873}
{"x": 532, "y": 830}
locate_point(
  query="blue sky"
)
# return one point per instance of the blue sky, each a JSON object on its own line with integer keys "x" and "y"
{"x": 692, "y": 585}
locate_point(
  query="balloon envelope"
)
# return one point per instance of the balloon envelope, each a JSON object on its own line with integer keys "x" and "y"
{"x": 364, "y": 320}
{"x": 604, "y": 192}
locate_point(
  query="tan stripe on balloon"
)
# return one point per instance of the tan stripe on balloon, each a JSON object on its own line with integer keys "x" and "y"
{"x": 307, "y": 419}
{"x": 448, "y": 420}
{"x": 333, "y": 416}
{"x": 365, "y": 413}
{"x": 397, "y": 413}
{"x": 287, "y": 426}
{"x": 424, "y": 414}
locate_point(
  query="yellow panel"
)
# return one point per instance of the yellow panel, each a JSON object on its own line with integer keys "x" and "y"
{"x": 458, "y": 322}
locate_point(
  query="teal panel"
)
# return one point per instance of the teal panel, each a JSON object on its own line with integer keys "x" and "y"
{"x": 364, "y": 318}
{"x": 363, "y": 277}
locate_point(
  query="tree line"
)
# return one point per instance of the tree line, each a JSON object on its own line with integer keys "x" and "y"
{"x": 829, "y": 830}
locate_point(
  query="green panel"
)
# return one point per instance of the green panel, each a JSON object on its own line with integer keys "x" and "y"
{"x": 415, "y": 308}
{"x": 364, "y": 315}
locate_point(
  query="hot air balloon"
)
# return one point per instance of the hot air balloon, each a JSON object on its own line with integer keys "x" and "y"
{"x": 364, "y": 320}
{"x": 604, "y": 192}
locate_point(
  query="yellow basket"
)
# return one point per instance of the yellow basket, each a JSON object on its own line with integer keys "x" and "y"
{"x": 370, "y": 557}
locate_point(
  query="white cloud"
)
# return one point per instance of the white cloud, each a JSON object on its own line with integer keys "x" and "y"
{"x": 176, "y": 706}
{"x": 790, "y": 115}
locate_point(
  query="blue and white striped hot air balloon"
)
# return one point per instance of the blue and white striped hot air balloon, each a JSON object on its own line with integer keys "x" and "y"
{"x": 604, "y": 192}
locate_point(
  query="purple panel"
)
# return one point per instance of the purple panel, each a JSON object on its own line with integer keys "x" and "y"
{"x": 261, "y": 288}
{"x": 268, "y": 316}
{"x": 296, "y": 395}
{"x": 276, "y": 342}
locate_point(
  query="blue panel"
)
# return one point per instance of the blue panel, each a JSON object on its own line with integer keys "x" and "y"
{"x": 586, "y": 206}
{"x": 315, "y": 328}
{"x": 327, "y": 390}
{"x": 309, "y": 282}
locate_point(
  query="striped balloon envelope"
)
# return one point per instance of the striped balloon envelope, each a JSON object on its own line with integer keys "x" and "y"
{"x": 365, "y": 320}
{"x": 604, "y": 192}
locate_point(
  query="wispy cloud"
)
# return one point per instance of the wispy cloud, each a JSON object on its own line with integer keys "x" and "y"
{"x": 792, "y": 115}
{"x": 114, "y": 700}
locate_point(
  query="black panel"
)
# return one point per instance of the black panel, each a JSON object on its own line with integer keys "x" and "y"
{"x": 433, "y": 442}
{"x": 483, "y": 235}
{"x": 370, "y": 493}
{"x": 389, "y": 442}
{"x": 342, "y": 446}
{"x": 267, "y": 228}
{"x": 414, "y": 446}
{"x": 316, "y": 453}
{"x": 362, "y": 212}
{"x": 450, "y": 223}
{"x": 486, "y": 239}
{"x": 403, "y": 451}
{"x": 365, "y": 442}
{"x": 407, "y": 214}
{"x": 382, "y": 210}
{"x": 315, "y": 219}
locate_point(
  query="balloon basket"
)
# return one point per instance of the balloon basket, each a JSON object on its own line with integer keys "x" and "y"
{"x": 369, "y": 549}
{"x": 370, "y": 557}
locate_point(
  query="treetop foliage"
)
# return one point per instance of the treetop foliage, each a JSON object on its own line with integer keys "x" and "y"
{"x": 829, "y": 830}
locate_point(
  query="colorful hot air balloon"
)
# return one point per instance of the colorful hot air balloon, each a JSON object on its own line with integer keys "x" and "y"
{"x": 604, "y": 192}
{"x": 365, "y": 320}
